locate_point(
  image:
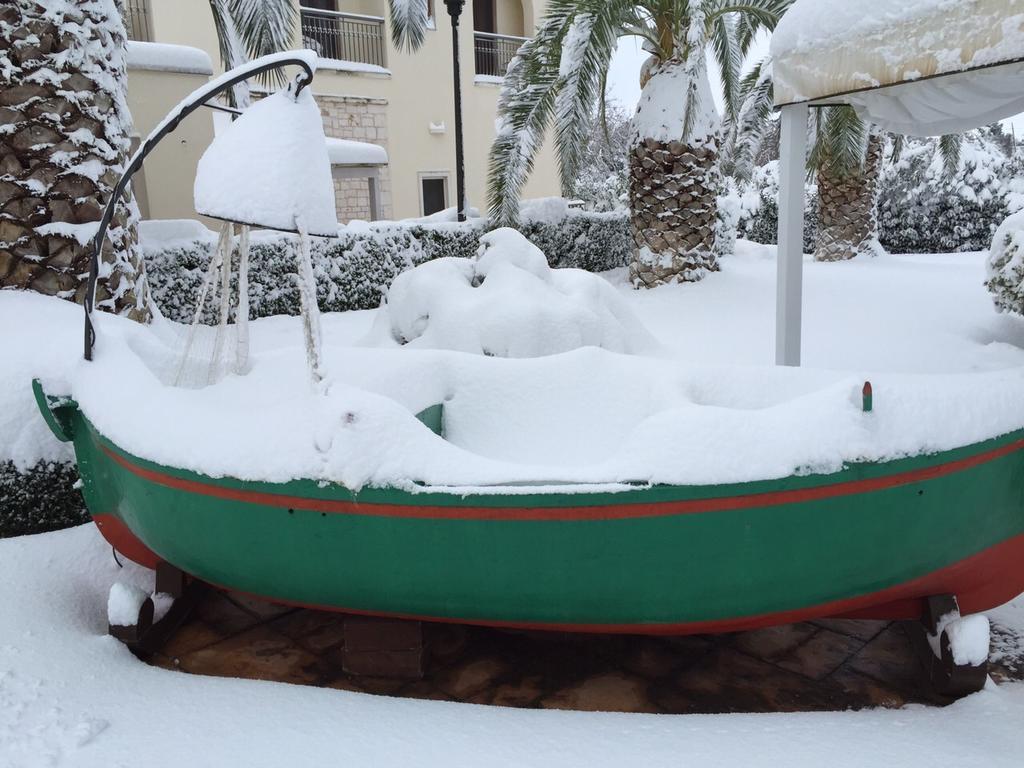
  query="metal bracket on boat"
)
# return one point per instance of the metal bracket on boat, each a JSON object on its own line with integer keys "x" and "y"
{"x": 57, "y": 412}
{"x": 199, "y": 98}
{"x": 147, "y": 635}
{"x": 946, "y": 677}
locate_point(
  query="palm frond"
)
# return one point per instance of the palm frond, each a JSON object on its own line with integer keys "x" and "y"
{"x": 408, "y": 23}
{"x": 264, "y": 27}
{"x": 949, "y": 150}
{"x": 232, "y": 53}
{"x": 525, "y": 107}
{"x": 841, "y": 142}
{"x": 729, "y": 55}
{"x": 746, "y": 132}
{"x": 586, "y": 50}
{"x": 899, "y": 143}
{"x": 757, "y": 14}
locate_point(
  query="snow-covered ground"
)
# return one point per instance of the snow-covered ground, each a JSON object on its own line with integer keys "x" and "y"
{"x": 69, "y": 695}
{"x": 72, "y": 696}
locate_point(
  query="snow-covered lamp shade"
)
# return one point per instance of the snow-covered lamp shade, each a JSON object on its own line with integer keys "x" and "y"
{"x": 270, "y": 168}
{"x": 918, "y": 67}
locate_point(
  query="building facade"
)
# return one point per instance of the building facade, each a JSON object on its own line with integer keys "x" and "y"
{"x": 366, "y": 88}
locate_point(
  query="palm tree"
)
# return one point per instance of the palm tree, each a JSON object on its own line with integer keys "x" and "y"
{"x": 65, "y": 135}
{"x": 559, "y": 75}
{"x": 248, "y": 29}
{"x": 846, "y": 158}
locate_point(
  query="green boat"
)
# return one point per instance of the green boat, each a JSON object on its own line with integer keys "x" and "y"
{"x": 874, "y": 540}
{"x": 922, "y": 537}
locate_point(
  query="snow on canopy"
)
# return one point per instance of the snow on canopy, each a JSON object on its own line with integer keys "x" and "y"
{"x": 970, "y": 52}
{"x": 269, "y": 167}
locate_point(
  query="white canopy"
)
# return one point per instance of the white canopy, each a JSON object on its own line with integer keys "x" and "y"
{"x": 964, "y": 59}
{"x": 919, "y": 67}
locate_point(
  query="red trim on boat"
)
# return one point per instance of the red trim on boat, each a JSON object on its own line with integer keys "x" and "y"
{"x": 603, "y": 512}
{"x": 980, "y": 582}
{"x": 124, "y": 541}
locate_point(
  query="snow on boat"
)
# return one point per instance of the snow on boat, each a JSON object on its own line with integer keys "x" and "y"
{"x": 871, "y": 541}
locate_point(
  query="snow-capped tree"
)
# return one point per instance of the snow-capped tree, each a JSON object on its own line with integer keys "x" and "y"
{"x": 602, "y": 183}
{"x": 1006, "y": 266}
{"x": 558, "y": 76}
{"x": 846, "y": 158}
{"x": 949, "y": 194}
{"x": 65, "y": 135}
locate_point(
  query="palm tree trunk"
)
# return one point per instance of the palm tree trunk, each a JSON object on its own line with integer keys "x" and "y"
{"x": 64, "y": 139}
{"x": 673, "y": 191}
{"x": 848, "y": 221}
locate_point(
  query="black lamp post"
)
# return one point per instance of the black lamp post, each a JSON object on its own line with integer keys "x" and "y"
{"x": 454, "y": 11}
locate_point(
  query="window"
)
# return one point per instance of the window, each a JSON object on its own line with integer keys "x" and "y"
{"x": 433, "y": 192}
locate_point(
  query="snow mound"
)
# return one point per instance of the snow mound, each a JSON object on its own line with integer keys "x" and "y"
{"x": 123, "y": 604}
{"x": 509, "y": 303}
{"x": 269, "y": 167}
{"x": 969, "y": 639}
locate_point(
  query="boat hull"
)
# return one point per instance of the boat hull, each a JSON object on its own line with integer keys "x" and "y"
{"x": 871, "y": 541}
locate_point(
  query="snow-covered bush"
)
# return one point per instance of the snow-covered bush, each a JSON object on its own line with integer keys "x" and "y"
{"x": 603, "y": 180}
{"x": 1006, "y": 266}
{"x": 40, "y": 498}
{"x": 507, "y": 302}
{"x": 354, "y": 270}
{"x": 924, "y": 209}
{"x": 759, "y": 208}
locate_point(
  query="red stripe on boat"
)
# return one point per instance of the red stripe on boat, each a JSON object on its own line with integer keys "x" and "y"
{"x": 979, "y": 582}
{"x": 602, "y": 512}
{"x": 120, "y": 537}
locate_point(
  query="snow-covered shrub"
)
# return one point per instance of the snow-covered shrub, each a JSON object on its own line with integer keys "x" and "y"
{"x": 924, "y": 209}
{"x": 354, "y": 270}
{"x": 1006, "y": 266}
{"x": 759, "y": 208}
{"x": 40, "y": 498}
{"x": 576, "y": 239}
{"x": 602, "y": 182}
{"x": 507, "y": 302}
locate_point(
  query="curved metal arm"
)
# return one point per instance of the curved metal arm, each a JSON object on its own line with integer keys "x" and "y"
{"x": 197, "y": 99}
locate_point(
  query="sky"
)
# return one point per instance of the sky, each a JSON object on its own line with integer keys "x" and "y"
{"x": 624, "y": 74}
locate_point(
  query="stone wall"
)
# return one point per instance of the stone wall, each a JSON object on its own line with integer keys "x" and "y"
{"x": 360, "y": 119}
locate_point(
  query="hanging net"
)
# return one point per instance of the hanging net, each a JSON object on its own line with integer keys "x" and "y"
{"x": 216, "y": 343}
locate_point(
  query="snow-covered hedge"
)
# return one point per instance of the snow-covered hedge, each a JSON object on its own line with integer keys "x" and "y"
{"x": 921, "y": 207}
{"x": 757, "y": 201}
{"x": 924, "y": 209}
{"x": 41, "y": 498}
{"x": 354, "y": 270}
{"x": 1006, "y": 266}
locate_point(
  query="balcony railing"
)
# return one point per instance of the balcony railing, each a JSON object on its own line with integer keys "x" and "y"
{"x": 494, "y": 52}
{"x": 136, "y": 20}
{"x": 344, "y": 36}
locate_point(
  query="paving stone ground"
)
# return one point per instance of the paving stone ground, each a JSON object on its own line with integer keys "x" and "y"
{"x": 813, "y": 666}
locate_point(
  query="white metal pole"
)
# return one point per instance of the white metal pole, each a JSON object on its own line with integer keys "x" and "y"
{"x": 789, "y": 281}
